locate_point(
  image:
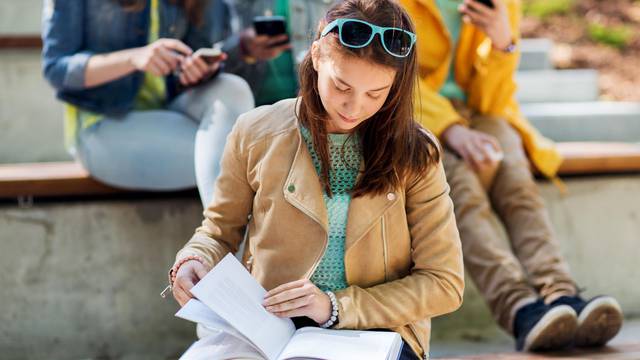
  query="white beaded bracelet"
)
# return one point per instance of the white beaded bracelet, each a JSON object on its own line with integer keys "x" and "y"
{"x": 334, "y": 311}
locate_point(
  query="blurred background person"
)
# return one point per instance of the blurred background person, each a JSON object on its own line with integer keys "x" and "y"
{"x": 270, "y": 63}
{"x": 141, "y": 111}
{"x": 468, "y": 57}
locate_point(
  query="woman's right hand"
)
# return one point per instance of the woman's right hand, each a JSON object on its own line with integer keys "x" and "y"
{"x": 161, "y": 57}
{"x": 189, "y": 274}
{"x": 263, "y": 47}
{"x": 476, "y": 148}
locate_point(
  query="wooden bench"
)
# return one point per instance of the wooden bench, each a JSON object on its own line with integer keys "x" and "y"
{"x": 69, "y": 179}
{"x": 20, "y": 42}
{"x": 591, "y": 158}
{"x": 54, "y": 179}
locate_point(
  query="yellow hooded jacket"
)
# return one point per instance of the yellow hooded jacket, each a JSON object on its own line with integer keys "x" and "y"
{"x": 485, "y": 75}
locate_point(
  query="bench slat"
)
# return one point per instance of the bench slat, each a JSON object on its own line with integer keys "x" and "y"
{"x": 599, "y": 158}
{"x": 59, "y": 179}
{"x": 20, "y": 42}
{"x": 49, "y": 180}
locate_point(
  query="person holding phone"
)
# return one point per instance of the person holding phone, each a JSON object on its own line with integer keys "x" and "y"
{"x": 467, "y": 98}
{"x": 343, "y": 193}
{"x": 142, "y": 111}
{"x": 267, "y": 42}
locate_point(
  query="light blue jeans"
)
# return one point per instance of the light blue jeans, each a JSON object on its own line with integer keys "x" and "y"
{"x": 170, "y": 149}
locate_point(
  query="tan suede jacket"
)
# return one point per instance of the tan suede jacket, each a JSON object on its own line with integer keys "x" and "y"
{"x": 403, "y": 259}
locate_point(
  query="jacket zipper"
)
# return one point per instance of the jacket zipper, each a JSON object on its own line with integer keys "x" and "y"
{"x": 315, "y": 265}
{"x": 415, "y": 334}
{"x": 384, "y": 247}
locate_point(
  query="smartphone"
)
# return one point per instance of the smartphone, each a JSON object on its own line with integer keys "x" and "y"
{"x": 209, "y": 55}
{"x": 488, "y": 3}
{"x": 271, "y": 26}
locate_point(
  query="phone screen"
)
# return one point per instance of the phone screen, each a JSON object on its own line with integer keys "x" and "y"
{"x": 488, "y": 3}
{"x": 270, "y": 25}
{"x": 209, "y": 55}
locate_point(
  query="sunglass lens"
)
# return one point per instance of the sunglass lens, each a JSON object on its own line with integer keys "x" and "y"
{"x": 397, "y": 42}
{"x": 355, "y": 33}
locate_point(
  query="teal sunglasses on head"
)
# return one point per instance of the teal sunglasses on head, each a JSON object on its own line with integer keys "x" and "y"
{"x": 357, "y": 34}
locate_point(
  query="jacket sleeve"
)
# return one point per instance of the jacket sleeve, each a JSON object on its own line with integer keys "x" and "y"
{"x": 433, "y": 111}
{"x": 63, "y": 59}
{"x": 436, "y": 282}
{"x": 225, "y": 218}
{"x": 492, "y": 86}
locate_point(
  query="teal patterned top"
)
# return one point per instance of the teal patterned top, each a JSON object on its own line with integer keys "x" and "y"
{"x": 344, "y": 152}
{"x": 453, "y": 21}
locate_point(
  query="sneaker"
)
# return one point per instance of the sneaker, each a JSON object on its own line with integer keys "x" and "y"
{"x": 599, "y": 319}
{"x": 539, "y": 327}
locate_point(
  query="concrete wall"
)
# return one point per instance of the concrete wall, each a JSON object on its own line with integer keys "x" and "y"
{"x": 81, "y": 279}
{"x": 20, "y": 17}
{"x": 31, "y": 125}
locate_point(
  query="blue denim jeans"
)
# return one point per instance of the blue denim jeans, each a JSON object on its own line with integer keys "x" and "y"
{"x": 174, "y": 148}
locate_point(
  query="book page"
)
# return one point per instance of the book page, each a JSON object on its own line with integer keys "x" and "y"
{"x": 194, "y": 310}
{"x": 221, "y": 346}
{"x": 231, "y": 292}
{"x": 318, "y": 343}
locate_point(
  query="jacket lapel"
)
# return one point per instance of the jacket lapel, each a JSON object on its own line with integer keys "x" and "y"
{"x": 302, "y": 189}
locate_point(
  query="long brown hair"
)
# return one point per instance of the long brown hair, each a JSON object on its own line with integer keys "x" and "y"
{"x": 193, "y": 8}
{"x": 393, "y": 145}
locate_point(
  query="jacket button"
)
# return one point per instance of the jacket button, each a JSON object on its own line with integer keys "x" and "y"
{"x": 291, "y": 188}
{"x": 391, "y": 196}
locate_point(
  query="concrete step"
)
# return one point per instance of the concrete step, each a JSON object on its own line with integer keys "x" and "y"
{"x": 31, "y": 125}
{"x": 589, "y": 121}
{"x": 535, "y": 54}
{"x": 557, "y": 85}
{"x": 626, "y": 345}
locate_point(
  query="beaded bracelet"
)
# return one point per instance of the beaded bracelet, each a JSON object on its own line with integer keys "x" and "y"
{"x": 334, "y": 311}
{"x": 174, "y": 270}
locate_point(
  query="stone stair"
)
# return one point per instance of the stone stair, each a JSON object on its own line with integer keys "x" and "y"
{"x": 535, "y": 54}
{"x": 588, "y": 121}
{"x": 535, "y": 86}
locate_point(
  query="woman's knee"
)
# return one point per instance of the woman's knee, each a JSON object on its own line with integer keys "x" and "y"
{"x": 505, "y": 134}
{"x": 233, "y": 91}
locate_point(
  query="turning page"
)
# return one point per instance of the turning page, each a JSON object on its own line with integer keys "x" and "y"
{"x": 232, "y": 293}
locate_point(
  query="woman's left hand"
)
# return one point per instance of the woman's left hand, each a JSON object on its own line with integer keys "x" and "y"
{"x": 299, "y": 298}
{"x": 195, "y": 69}
{"x": 493, "y": 21}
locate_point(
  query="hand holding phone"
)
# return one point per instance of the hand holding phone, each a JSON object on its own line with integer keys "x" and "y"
{"x": 492, "y": 17}
{"x": 201, "y": 65}
{"x": 266, "y": 40}
{"x": 209, "y": 55}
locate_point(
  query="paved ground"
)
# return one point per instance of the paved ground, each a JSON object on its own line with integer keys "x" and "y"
{"x": 624, "y": 346}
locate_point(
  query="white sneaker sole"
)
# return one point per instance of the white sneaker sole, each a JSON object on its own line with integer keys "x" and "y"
{"x": 599, "y": 322}
{"x": 555, "y": 330}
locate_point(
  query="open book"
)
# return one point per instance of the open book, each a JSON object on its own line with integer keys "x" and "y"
{"x": 229, "y": 303}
